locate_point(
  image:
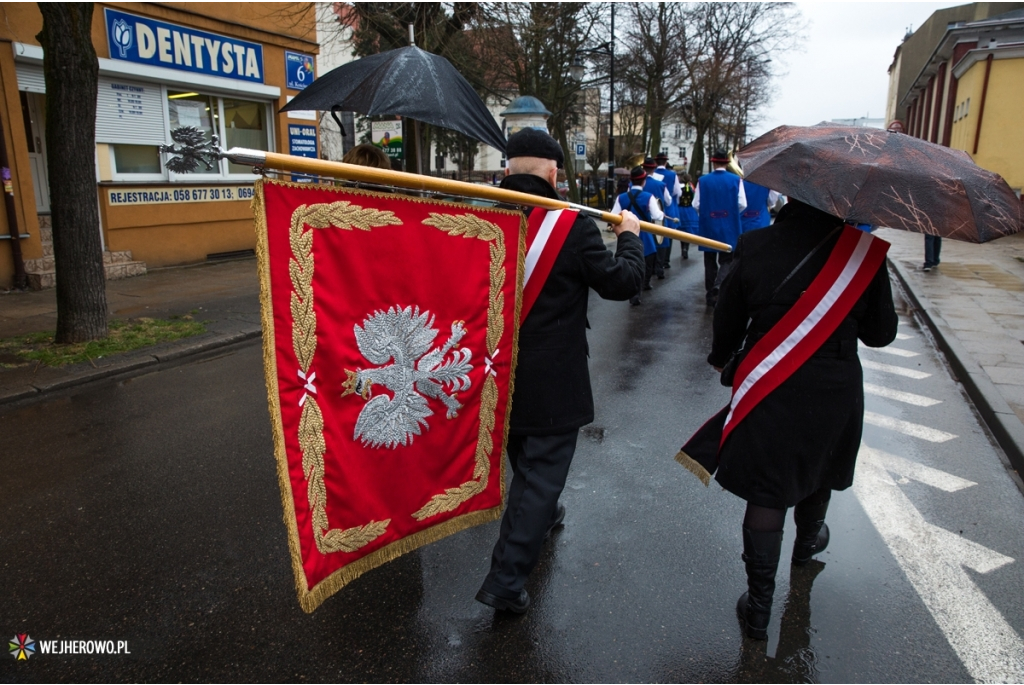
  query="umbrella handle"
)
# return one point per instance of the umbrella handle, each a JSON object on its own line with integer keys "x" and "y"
{"x": 334, "y": 115}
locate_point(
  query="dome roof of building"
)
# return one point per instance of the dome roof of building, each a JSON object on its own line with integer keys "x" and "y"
{"x": 526, "y": 104}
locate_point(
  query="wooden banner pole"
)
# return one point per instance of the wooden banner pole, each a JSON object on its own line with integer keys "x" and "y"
{"x": 400, "y": 179}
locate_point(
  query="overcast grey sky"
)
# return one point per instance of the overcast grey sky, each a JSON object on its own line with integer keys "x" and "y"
{"x": 838, "y": 69}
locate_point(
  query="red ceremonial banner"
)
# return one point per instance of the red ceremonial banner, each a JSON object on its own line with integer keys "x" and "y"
{"x": 390, "y": 329}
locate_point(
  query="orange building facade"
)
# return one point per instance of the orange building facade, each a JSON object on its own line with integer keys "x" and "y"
{"x": 225, "y": 68}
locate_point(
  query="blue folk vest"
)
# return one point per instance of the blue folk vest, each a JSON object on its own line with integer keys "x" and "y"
{"x": 688, "y": 220}
{"x": 639, "y": 206}
{"x": 668, "y": 177}
{"x": 719, "y": 210}
{"x": 756, "y": 214}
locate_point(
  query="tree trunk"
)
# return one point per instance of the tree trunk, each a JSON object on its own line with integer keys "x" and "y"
{"x": 70, "y": 69}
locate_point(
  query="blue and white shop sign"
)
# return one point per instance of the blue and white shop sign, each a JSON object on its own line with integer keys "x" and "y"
{"x": 302, "y": 143}
{"x": 160, "y": 44}
{"x": 299, "y": 68}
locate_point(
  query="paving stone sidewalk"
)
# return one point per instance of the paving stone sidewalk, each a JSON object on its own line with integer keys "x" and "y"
{"x": 974, "y": 304}
{"x": 225, "y": 296}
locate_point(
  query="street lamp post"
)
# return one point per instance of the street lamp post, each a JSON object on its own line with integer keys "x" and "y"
{"x": 577, "y": 72}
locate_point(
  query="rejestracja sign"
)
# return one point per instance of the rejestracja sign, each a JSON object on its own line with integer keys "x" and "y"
{"x": 147, "y": 41}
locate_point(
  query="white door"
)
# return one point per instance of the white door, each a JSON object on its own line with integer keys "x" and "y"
{"x": 35, "y": 129}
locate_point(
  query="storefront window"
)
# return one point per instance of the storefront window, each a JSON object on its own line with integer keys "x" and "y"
{"x": 245, "y": 125}
{"x": 193, "y": 109}
{"x": 237, "y": 123}
{"x": 136, "y": 159}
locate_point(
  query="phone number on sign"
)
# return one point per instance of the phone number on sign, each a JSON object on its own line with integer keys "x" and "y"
{"x": 159, "y": 196}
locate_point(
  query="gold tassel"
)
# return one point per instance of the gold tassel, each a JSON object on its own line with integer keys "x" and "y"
{"x": 693, "y": 467}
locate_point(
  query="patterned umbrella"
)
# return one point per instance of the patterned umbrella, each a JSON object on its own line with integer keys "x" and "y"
{"x": 886, "y": 179}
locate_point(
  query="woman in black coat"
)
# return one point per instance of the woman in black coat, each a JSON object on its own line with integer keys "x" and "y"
{"x": 801, "y": 441}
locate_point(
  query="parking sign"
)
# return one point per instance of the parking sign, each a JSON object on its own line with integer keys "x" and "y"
{"x": 581, "y": 150}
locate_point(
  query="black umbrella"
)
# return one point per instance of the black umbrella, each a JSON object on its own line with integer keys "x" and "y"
{"x": 409, "y": 82}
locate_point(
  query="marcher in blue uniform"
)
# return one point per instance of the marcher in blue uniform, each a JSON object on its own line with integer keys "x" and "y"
{"x": 719, "y": 200}
{"x": 759, "y": 201}
{"x": 644, "y": 205}
{"x": 663, "y": 173}
{"x": 688, "y": 219}
{"x": 661, "y": 194}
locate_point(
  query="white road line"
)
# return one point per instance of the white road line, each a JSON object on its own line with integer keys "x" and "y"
{"x": 919, "y": 472}
{"x": 900, "y": 396}
{"x": 898, "y": 370}
{"x": 904, "y": 336}
{"x": 933, "y": 559}
{"x": 898, "y": 351}
{"x": 914, "y": 430}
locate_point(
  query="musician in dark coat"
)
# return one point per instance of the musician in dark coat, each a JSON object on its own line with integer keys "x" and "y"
{"x": 800, "y": 442}
{"x": 552, "y": 398}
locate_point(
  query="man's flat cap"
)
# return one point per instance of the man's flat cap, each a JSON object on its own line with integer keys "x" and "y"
{"x": 532, "y": 142}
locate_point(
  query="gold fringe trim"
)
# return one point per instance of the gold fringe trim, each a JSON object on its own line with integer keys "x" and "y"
{"x": 693, "y": 467}
{"x": 311, "y": 599}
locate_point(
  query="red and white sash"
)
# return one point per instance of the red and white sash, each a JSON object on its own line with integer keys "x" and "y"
{"x": 808, "y": 324}
{"x": 546, "y": 232}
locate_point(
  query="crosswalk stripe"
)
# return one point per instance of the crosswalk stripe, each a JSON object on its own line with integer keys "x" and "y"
{"x": 898, "y": 351}
{"x": 898, "y": 370}
{"x": 903, "y": 336}
{"x": 900, "y": 396}
{"x": 914, "y": 430}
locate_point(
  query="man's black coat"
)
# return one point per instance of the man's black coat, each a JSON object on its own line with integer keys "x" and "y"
{"x": 552, "y": 384}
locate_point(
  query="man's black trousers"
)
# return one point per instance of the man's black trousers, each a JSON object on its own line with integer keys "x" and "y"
{"x": 712, "y": 260}
{"x": 540, "y": 465}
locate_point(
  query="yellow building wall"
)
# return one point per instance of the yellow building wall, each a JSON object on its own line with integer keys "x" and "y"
{"x": 1001, "y": 143}
{"x": 962, "y": 136}
{"x": 1001, "y": 146}
{"x": 196, "y": 229}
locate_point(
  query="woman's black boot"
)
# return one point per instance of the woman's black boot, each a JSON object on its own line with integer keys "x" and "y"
{"x": 761, "y": 552}
{"x": 811, "y": 532}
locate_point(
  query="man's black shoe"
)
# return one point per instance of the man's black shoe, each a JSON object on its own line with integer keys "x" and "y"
{"x": 516, "y": 606}
{"x": 557, "y": 522}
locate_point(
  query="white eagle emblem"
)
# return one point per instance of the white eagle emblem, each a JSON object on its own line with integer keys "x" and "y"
{"x": 405, "y": 336}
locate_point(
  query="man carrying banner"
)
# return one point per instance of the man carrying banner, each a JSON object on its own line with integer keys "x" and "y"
{"x": 552, "y": 399}
{"x": 809, "y": 287}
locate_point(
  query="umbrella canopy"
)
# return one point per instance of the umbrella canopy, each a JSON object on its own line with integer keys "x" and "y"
{"x": 409, "y": 82}
{"x": 887, "y": 179}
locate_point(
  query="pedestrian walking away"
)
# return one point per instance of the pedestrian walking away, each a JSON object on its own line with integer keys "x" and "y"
{"x": 791, "y": 434}
{"x": 719, "y": 200}
{"x": 932, "y": 248}
{"x": 645, "y": 206}
{"x": 552, "y": 399}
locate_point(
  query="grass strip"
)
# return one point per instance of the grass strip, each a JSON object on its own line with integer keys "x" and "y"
{"x": 125, "y": 336}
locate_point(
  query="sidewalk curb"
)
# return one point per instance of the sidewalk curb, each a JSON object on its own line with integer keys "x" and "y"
{"x": 173, "y": 353}
{"x": 1005, "y": 425}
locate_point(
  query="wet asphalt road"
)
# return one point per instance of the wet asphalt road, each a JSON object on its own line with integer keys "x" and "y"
{"x": 147, "y": 510}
